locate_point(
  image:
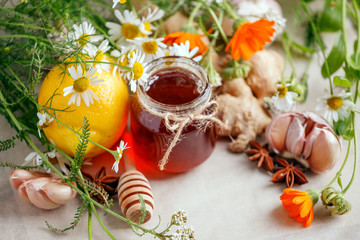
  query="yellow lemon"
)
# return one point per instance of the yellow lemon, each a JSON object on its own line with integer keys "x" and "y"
{"x": 107, "y": 116}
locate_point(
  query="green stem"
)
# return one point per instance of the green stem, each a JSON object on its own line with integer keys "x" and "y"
{"x": 338, "y": 174}
{"x": 94, "y": 209}
{"x": 306, "y": 73}
{"x": 356, "y": 9}
{"x": 131, "y": 6}
{"x": 286, "y": 40}
{"x": 27, "y": 26}
{"x": 89, "y": 223}
{"x": 216, "y": 20}
{"x": 229, "y": 10}
{"x": 25, "y": 36}
{"x": 355, "y": 158}
{"x": 356, "y": 91}
{"x": 193, "y": 14}
{"x": 343, "y": 26}
{"x": 178, "y": 5}
{"x": 320, "y": 43}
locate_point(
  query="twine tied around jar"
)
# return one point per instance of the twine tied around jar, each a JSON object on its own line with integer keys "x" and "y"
{"x": 176, "y": 124}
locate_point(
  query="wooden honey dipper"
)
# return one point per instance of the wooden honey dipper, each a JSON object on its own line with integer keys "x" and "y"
{"x": 132, "y": 183}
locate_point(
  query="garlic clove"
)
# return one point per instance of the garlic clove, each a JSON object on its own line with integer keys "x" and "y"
{"x": 295, "y": 137}
{"x": 37, "y": 196}
{"x": 58, "y": 192}
{"x": 22, "y": 192}
{"x": 18, "y": 176}
{"x": 277, "y": 130}
{"x": 326, "y": 149}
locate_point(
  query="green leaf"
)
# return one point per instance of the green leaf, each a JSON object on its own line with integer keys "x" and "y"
{"x": 341, "y": 82}
{"x": 302, "y": 48}
{"x": 330, "y": 17}
{"x": 340, "y": 182}
{"x": 335, "y": 58}
{"x": 344, "y": 128}
{"x": 352, "y": 75}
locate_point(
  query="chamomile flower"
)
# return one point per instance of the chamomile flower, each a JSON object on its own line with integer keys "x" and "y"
{"x": 130, "y": 28}
{"x": 83, "y": 34}
{"x": 138, "y": 72}
{"x": 283, "y": 100}
{"x": 98, "y": 54}
{"x": 122, "y": 59}
{"x": 44, "y": 121}
{"x": 336, "y": 106}
{"x": 120, "y": 151}
{"x": 80, "y": 87}
{"x": 115, "y": 2}
{"x": 153, "y": 15}
{"x": 183, "y": 50}
{"x": 151, "y": 48}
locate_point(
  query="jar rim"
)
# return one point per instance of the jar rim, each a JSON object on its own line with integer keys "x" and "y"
{"x": 178, "y": 109}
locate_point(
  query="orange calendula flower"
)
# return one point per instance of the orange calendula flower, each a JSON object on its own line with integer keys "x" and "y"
{"x": 182, "y": 37}
{"x": 250, "y": 38}
{"x": 300, "y": 204}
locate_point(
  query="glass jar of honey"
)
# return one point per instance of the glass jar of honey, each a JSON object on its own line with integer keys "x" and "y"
{"x": 179, "y": 87}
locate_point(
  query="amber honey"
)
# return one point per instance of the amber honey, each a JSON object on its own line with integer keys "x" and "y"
{"x": 178, "y": 89}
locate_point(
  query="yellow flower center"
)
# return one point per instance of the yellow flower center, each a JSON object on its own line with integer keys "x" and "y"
{"x": 147, "y": 28}
{"x": 150, "y": 47}
{"x": 130, "y": 31}
{"x": 98, "y": 56}
{"x": 81, "y": 84}
{"x": 83, "y": 39}
{"x": 122, "y": 1}
{"x": 282, "y": 90}
{"x": 125, "y": 60}
{"x": 334, "y": 103}
{"x": 137, "y": 70}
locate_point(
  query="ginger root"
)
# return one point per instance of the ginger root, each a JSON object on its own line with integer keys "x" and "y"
{"x": 266, "y": 70}
{"x": 242, "y": 114}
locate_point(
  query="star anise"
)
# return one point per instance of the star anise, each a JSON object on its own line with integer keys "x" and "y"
{"x": 258, "y": 152}
{"x": 289, "y": 173}
{"x": 106, "y": 182}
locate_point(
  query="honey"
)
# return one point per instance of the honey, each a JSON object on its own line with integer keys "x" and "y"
{"x": 178, "y": 86}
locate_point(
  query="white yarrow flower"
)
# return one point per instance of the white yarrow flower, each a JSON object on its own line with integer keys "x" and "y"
{"x": 35, "y": 159}
{"x": 337, "y": 106}
{"x": 44, "y": 121}
{"x": 82, "y": 34}
{"x": 183, "y": 50}
{"x": 80, "y": 88}
{"x": 130, "y": 28}
{"x": 98, "y": 54}
{"x": 120, "y": 151}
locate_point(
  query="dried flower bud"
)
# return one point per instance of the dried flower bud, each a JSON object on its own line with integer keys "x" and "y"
{"x": 332, "y": 198}
{"x": 305, "y": 136}
{"x": 40, "y": 189}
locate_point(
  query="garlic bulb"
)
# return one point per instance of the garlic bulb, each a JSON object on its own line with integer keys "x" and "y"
{"x": 40, "y": 189}
{"x": 307, "y": 137}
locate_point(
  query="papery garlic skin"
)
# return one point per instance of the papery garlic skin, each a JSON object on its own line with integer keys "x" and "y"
{"x": 305, "y": 136}
{"x": 40, "y": 189}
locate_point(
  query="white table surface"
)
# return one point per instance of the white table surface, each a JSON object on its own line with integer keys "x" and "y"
{"x": 226, "y": 197}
